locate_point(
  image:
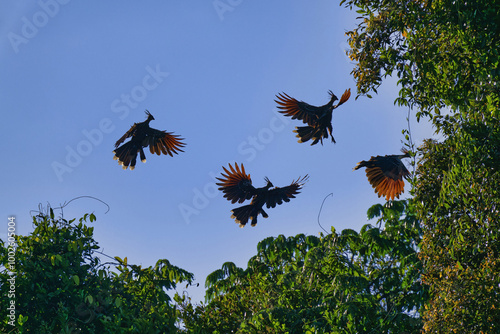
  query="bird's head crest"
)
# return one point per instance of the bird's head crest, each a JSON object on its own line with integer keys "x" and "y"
{"x": 269, "y": 183}
{"x": 333, "y": 96}
{"x": 150, "y": 117}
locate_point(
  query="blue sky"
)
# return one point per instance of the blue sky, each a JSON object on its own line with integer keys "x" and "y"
{"x": 74, "y": 76}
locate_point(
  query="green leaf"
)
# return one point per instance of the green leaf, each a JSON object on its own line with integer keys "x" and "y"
{"x": 89, "y": 299}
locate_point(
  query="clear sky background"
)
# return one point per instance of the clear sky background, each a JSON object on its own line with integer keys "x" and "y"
{"x": 74, "y": 76}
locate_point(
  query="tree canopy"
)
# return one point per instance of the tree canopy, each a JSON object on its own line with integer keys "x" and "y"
{"x": 445, "y": 55}
{"x": 62, "y": 286}
{"x": 347, "y": 282}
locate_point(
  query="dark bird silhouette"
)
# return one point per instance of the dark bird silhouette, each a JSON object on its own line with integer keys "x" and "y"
{"x": 142, "y": 136}
{"x": 318, "y": 119}
{"x": 385, "y": 174}
{"x": 237, "y": 187}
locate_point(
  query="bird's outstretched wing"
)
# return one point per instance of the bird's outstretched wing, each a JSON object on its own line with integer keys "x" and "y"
{"x": 236, "y": 184}
{"x": 385, "y": 174}
{"x": 127, "y": 134}
{"x": 277, "y": 195}
{"x": 163, "y": 142}
{"x": 297, "y": 109}
{"x": 344, "y": 97}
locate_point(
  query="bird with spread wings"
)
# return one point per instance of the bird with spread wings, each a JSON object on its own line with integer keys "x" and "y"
{"x": 142, "y": 136}
{"x": 318, "y": 119}
{"x": 386, "y": 173}
{"x": 237, "y": 187}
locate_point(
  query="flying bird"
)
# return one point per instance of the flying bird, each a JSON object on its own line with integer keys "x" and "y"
{"x": 237, "y": 187}
{"x": 385, "y": 174}
{"x": 142, "y": 136}
{"x": 318, "y": 119}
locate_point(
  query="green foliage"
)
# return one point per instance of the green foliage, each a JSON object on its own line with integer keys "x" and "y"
{"x": 61, "y": 286}
{"x": 445, "y": 54}
{"x": 461, "y": 220}
{"x": 366, "y": 282}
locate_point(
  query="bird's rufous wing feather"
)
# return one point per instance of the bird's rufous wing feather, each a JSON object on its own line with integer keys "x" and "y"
{"x": 236, "y": 184}
{"x": 385, "y": 174}
{"x": 345, "y": 97}
{"x": 163, "y": 142}
{"x": 297, "y": 109}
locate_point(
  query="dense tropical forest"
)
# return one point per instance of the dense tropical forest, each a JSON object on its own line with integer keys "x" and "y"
{"x": 427, "y": 264}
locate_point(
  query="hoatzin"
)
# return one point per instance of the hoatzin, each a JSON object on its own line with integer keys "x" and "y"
{"x": 385, "y": 174}
{"x": 141, "y": 136}
{"x": 237, "y": 187}
{"x": 318, "y": 119}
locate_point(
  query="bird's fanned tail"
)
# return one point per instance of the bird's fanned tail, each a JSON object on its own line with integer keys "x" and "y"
{"x": 127, "y": 155}
{"x": 306, "y": 133}
{"x": 244, "y": 213}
